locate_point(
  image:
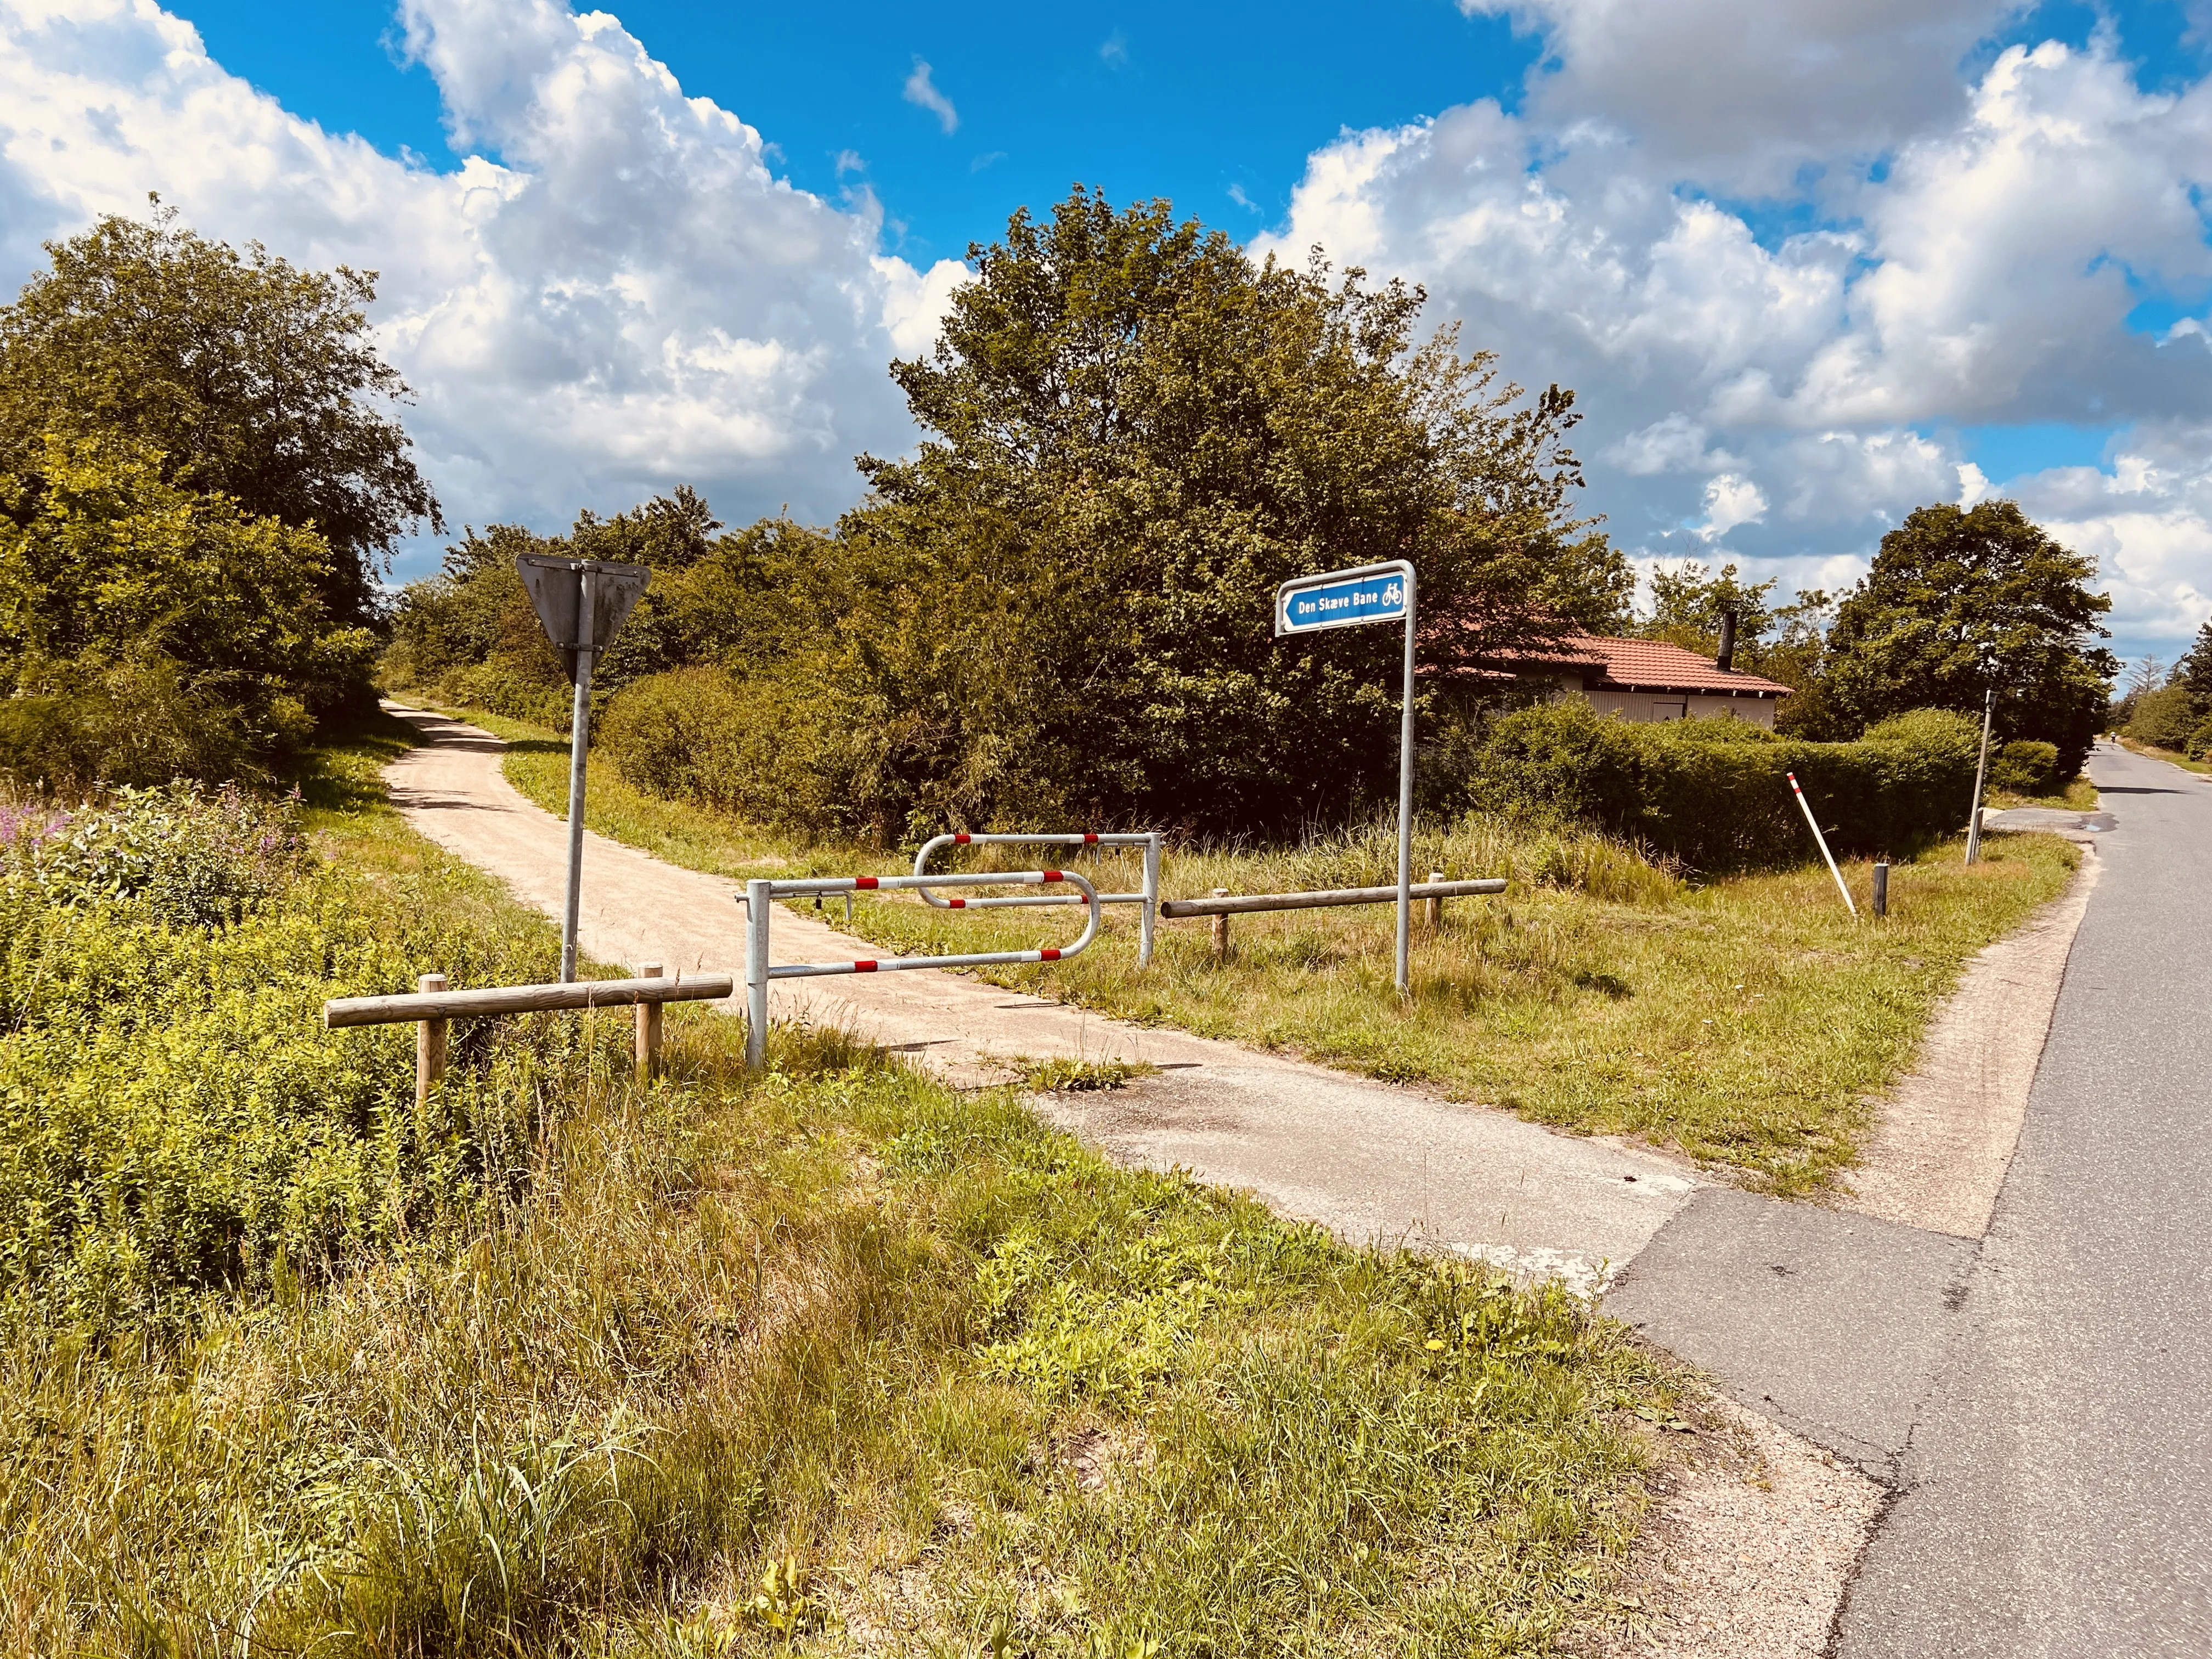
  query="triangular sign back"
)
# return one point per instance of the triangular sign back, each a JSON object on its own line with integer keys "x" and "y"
{"x": 555, "y": 587}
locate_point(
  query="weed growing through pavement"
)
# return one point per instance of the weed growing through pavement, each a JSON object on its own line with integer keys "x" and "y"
{"x": 1073, "y": 1076}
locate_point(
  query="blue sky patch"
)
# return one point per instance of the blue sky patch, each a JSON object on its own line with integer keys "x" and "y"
{"x": 1215, "y": 106}
{"x": 2006, "y": 452}
{"x": 334, "y": 62}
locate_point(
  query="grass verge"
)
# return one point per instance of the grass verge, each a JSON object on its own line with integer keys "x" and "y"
{"x": 2079, "y": 796}
{"x": 832, "y": 1359}
{"x": 1746, "y": 1021}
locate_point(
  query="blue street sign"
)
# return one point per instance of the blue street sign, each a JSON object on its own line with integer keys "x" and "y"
{"x": 1337, "y": 602}
{"x": 1346, "y": 599}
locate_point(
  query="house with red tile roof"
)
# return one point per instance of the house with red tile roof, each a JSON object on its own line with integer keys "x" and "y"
{"x": 1650, "y": 680}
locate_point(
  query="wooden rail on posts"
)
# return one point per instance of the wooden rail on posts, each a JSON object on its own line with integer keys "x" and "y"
{"x": 432, "y": 1005}
{"x": 1222, "y": 905}
{"x": 1325, "y": 898}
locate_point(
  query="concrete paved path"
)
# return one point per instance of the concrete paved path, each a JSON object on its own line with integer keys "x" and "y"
{"x": 1365, "y": 1159}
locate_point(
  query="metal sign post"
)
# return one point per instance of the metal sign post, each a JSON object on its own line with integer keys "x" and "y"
{"x": 1350, "y": 598}
{"x": 583, "y": 603}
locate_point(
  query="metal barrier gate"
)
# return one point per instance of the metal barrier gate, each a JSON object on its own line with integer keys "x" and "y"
{"x": 1148, "y": 896}
{"x": 760, "y": 898}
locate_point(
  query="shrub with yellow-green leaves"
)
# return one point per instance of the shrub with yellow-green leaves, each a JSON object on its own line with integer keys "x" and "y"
{"x": 173, "y": 1120}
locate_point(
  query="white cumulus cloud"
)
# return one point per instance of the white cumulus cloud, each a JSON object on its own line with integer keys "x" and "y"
{"x": 627, "y": 298}
{"x": 1785, "y": 252}
{"x": 1730, "y": 500}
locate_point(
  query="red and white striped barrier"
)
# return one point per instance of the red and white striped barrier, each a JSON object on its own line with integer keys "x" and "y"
{"x": 1148, "y": 895}
{"x": 760, "y": 903}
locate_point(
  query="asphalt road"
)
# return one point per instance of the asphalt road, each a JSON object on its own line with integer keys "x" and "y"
{"x": 2055, "y": 1491}
{"x": 2038, "y": 1400}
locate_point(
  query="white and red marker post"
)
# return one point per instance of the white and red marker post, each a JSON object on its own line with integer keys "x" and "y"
{"x": 1805, "y": 806}
{"x": 760, "y": 897}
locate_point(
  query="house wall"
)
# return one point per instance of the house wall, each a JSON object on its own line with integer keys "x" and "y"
{"x": 1662, "y": 705}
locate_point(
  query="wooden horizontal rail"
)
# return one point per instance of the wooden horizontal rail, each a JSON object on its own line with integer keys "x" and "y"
{"x": 1326, "y": 897}
{"x": 524, "y": 1000}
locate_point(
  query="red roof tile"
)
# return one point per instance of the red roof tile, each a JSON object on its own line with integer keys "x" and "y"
{"x": 1652, "y": 666}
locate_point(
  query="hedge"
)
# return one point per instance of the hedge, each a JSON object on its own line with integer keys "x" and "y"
{"x": 2026, "y": 768}
{"x": 1715, "y": 794}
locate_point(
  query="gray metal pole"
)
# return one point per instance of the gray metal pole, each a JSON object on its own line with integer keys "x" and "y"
{"x": 1981, "y": 778}
{"x": 1406, "y": 802}
{"x": 580, "y": 738}
{"x": 1149, "y": 911}
{"x": 757, "y": 915}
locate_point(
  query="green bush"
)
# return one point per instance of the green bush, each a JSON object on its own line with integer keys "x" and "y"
{"x": 499, "y": 686}
{"x": 142, "y": 721}
{"x": 173, "y": 1120}
{"x": 2200, "y": 740}
{"x": 2166, "y": 719}
{"x": 1716, "y": 794}
{"x": 193, "y": 860}
{"x": 2026, "y": 768}
{"x": 780, "y": 751}
{"x": 147, "y": 633}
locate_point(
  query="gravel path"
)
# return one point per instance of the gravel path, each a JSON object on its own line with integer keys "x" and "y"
{"x": 1947, "y": 1130}
{"x": 1746, "y": 1557}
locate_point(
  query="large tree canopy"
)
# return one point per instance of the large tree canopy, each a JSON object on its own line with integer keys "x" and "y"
{"x": 249, "y": 377}
{"x": 1060, "y": 609}
{"x": 1960, "y": 600}
{"x": 1135, "y": 432}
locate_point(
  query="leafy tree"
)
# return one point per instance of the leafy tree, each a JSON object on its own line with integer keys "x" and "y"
{"x": 248, "y": 377}
{"x": 2165, "y": 719}
{"x": 1959, "y": 600}
{"x": 1781, "y": 643}
{"x": 469, "y": 632}
{"x": 1687, "y": 604}
{"x": 739, "y": 601}
{"x": 1063, "y": 604}
{"x": 148, "y": 630}
{"x": 2195, "y": 670}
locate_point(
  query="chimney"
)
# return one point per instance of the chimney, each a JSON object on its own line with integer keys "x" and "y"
{"x": 1726, "y": 661}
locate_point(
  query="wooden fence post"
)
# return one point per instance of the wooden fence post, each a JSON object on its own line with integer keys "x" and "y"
{"x": 429, "y": 1046}
{"x": 1221, "y": 930}
{"x": 1435, "y": 906}
{"x": 648, "y": 1029}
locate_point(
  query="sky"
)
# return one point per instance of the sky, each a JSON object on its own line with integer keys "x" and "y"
{"x": 1807, "y": 264}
